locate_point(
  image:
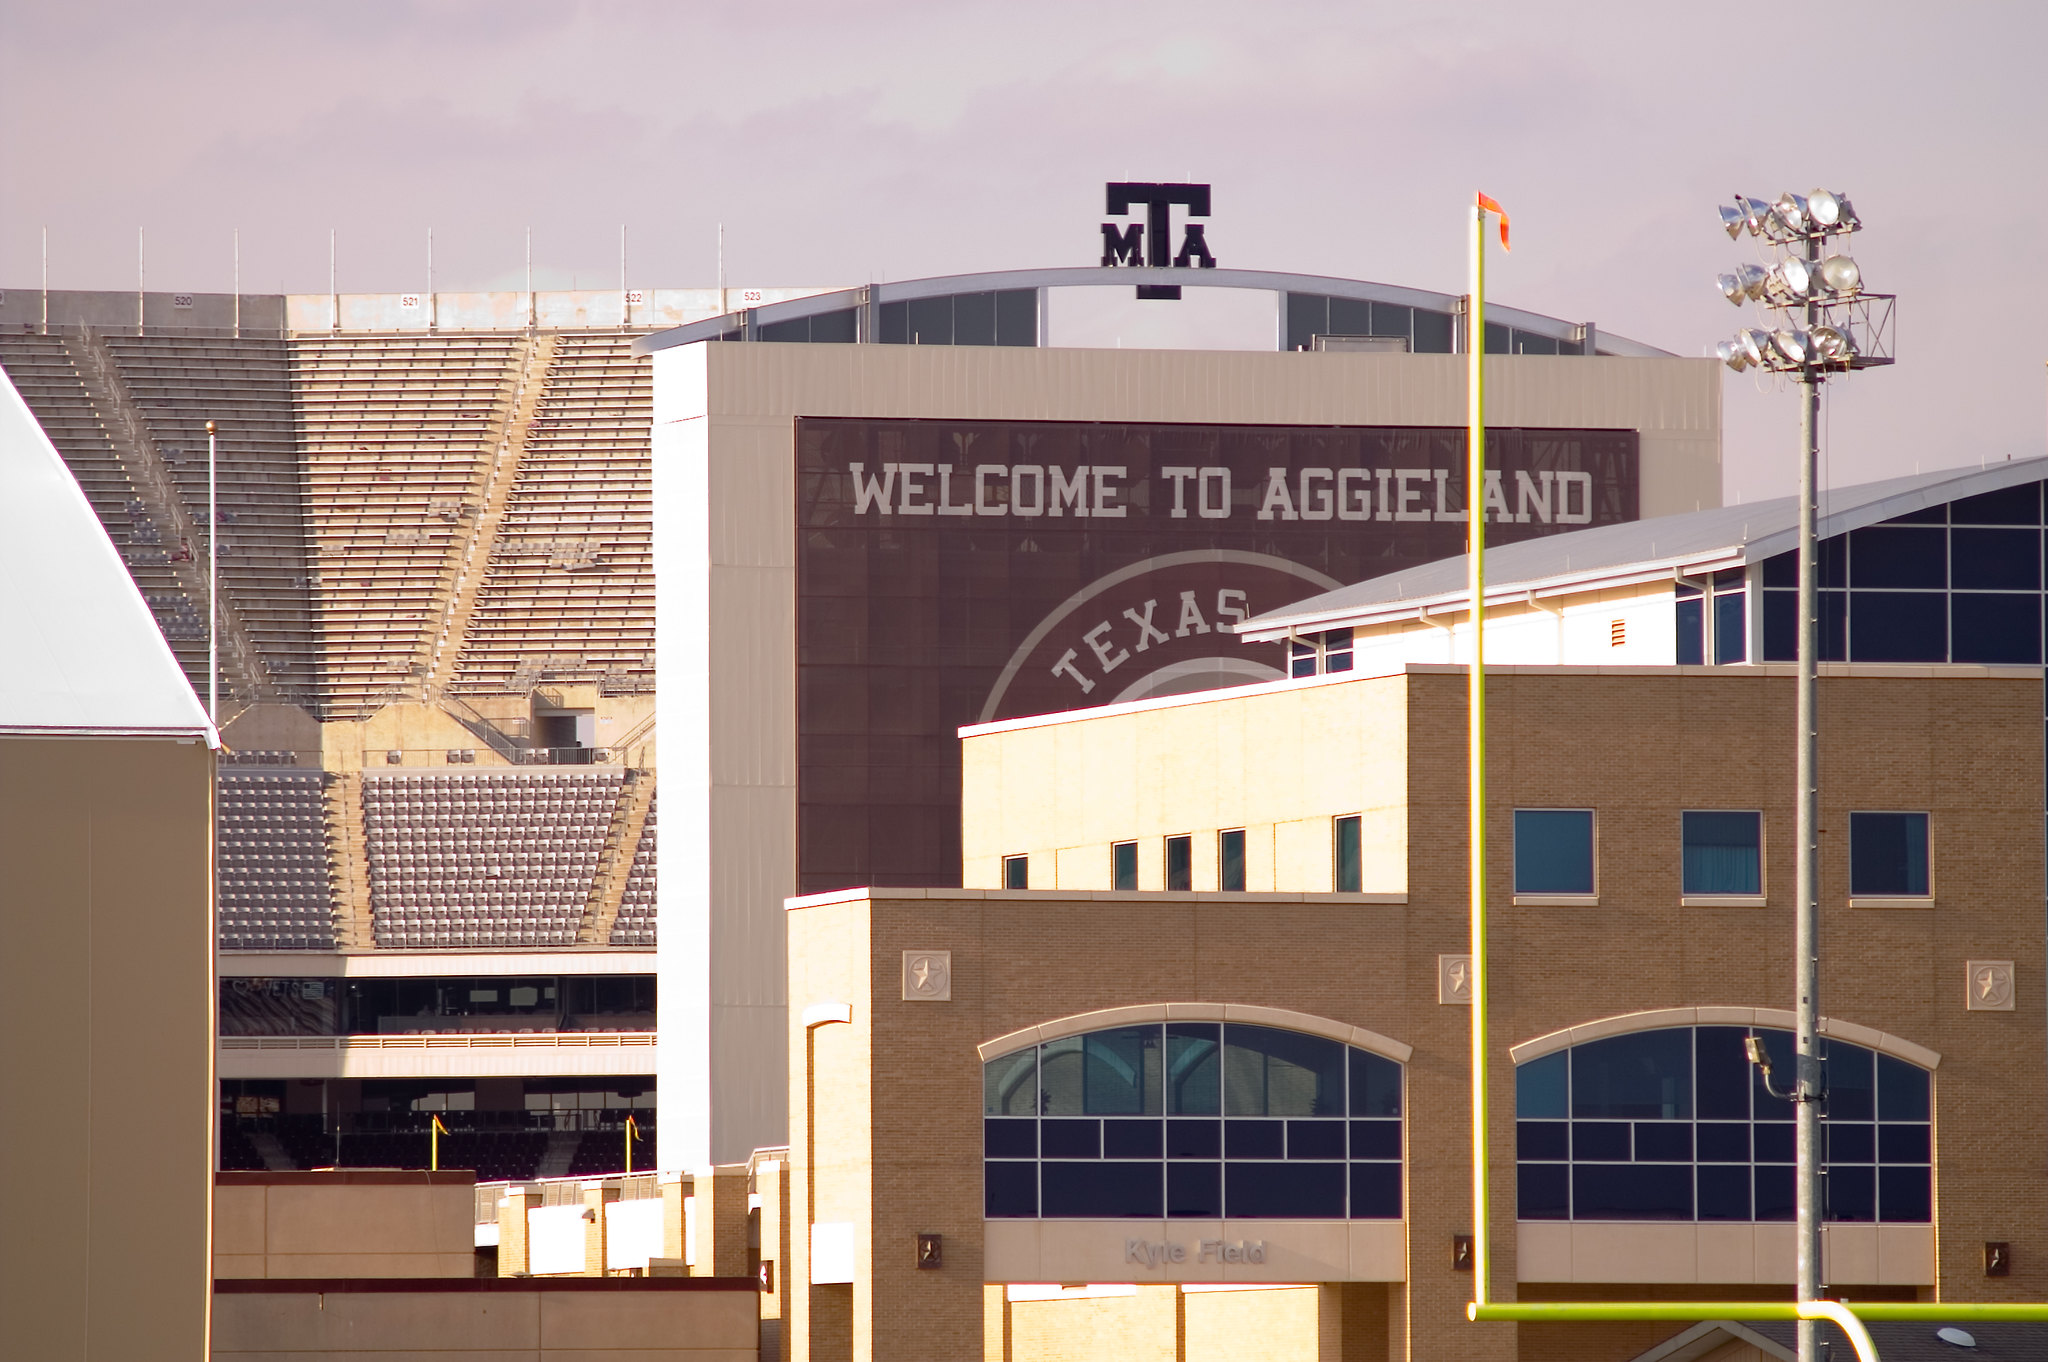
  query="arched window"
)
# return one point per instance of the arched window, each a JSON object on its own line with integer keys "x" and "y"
{"x": 1675, "y": 1124}
{"x": 1195, "y": 1120}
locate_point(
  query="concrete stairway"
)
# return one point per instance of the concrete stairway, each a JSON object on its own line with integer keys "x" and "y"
{"x": 493, "y": 498}
{"x": 621, "y": 840}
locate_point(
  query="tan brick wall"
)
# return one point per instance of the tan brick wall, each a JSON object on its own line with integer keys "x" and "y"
{"x": 898, "y": 1090}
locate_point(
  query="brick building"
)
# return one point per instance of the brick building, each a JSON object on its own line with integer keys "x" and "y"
{"x": 1206, "y": 979}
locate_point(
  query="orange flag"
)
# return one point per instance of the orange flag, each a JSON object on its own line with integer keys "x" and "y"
{"x": 1490, "y": 206}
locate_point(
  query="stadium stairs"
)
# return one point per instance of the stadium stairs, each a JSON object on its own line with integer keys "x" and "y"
{"x": 349, "y": 855}
{"x": 621, "y": 843}
{"x": 490, "y": 518}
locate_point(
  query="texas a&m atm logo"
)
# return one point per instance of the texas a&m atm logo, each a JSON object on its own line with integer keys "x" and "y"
{"x": 1151, "y": 243}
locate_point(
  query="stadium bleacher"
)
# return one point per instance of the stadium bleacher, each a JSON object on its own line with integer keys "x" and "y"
{"x": 275, "y": 887}
{"x": 175, "y": 385}
{"x": 571, "y": 574}
{"x": 634, "y": 925}
{"x": 357, "y": 567}
{"x": 46, "y": 372}
{"x": 397, "y": 436}
{"x": 490, "y": 859}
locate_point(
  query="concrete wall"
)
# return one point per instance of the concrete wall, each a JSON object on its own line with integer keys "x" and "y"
{"x": 363, "y": 1223}
{"x": 487, "y": 1320}
{"x": 888, "y": 1106}
{"x": 107, "y": 998}
{"x": 1052, "y": 788}
{"x": 725, "y": 555}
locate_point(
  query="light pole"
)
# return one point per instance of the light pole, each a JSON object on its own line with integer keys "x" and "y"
{"x": 1844, "y": 328}
{"x": 212, "y": 585}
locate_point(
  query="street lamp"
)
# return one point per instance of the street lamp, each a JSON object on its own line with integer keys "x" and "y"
{"x": 1823, "y": 323}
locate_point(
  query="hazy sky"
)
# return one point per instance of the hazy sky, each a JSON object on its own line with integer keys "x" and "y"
{"x": 841, "y": 142}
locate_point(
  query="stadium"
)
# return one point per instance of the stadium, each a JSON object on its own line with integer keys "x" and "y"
{"x": 437, "y": 810}
{"x": 1001, "y": 682}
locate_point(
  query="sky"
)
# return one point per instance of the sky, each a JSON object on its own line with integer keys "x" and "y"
{"x": 837, "y": 143}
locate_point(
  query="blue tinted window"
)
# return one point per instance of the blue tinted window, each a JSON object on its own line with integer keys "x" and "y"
{"x": 1888, "y": 853}
{"x": 1731, "y": 628}
{"x": 1996, "y": 560}
{"x": 1898, "y": 626}
{"x": 1016, "y": 872}
{"x": 1898, "y": 556}
{"x": 1123, "y": 857}
{"x": 2012, "y": 506}
{"x": 1995, "y": 629}
{"x": 1542, "y": 1087}
{"x": 1270, "y": 1072}
{"x": 1643, "y": 1074}
{"x": 1633, "y": 1150}
{"x": 1692, "y": 647}
{"x": 1350, "y": 873}
{"x": 1553, "y": 851}
{"x": 1723, "y": 853}
{"x": 1284, "y": 1191}
{"x": 1543, "y": 1191}
{"x": 1230, "y": 861}
{"x": 1306, "y": 1115}
{"x": 1194, "y": 1068}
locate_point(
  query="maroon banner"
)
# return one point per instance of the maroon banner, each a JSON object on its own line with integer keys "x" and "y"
{"x": 956, "y": 572}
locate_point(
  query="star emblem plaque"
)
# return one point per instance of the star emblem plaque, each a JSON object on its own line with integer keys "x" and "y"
{"x": 927, "y": 976}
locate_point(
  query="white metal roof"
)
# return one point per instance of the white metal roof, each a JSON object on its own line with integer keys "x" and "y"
{"x": 79, "y": 651}
{"x": 1690, "y": 543}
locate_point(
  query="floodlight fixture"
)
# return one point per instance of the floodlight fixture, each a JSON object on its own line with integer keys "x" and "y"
{"x": 1756, "y": 347}
{"x": 1834, "y": 344}
{"x": 1840, "y": 274}
{"x": 1795, "y": 345}
{"x": 1831, "y": 211}
{"x": 1731, "y": 354}
{"x": 1756, "y": 215}
{"x": 1793, "y": 211}
{"x": 1792, "y": 279}
{"x": 1733, "y": 219}
{"x": 1745, "y": 284}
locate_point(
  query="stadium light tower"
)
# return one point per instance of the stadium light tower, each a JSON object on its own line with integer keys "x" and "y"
{"x": 1827, "y": 325}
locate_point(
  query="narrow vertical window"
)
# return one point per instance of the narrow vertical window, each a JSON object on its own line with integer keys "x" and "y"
{"x": 1337, "y": 650}
{"x": 1016, "y": 872}
{"x": 1301, "y": 657}
{"x": 1230, "y": 861}
{"x": 1180, "y": 864}
{"x": 1731, "y": 617}
{"x": 1123, "y": 865}
{"x": 1350, "y": 867}
{"x": 1692, "y": 642}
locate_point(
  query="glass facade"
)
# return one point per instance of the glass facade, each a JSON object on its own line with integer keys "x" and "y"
{"x": 1192, "y": 1120}
{"x": 1958, "y": 582}
{"x": 1675, "y": 1124}
{"x": 1318, "y": 654}
{"x": 361, "y": 1007}
{"x": 1317, "y": 314}
{"x": 1003, "y": 317}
